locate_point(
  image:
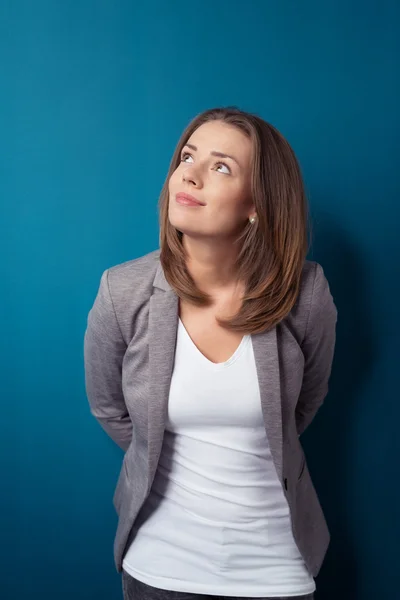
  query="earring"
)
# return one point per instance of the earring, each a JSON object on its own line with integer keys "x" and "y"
{"x": 252, "y": 219}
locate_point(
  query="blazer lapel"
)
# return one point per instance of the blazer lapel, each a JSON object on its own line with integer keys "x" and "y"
{"x": 163, "y": 325}
{"x": 267, "y": 364}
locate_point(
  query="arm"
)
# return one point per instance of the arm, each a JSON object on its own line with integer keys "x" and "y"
{"x": 104, "y": 350}
{"x": 318, "y": 347}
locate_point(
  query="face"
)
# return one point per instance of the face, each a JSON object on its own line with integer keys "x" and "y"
{"x": 220, "y": 183}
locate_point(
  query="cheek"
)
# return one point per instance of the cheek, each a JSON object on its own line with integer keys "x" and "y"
{"x": 231, "y": 212}
{"x": 175, "y": 182}
{"x": 230, "y": 199}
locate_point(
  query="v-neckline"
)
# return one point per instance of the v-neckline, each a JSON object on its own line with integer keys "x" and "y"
{"x": 220, "y": 365}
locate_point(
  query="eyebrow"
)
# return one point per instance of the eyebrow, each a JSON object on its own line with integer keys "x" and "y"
{"x": 215, "y": 153}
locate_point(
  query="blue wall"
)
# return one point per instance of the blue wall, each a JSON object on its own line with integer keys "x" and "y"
{"x": 93, "y": 97}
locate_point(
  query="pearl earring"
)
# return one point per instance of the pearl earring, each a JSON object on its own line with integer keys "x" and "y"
{"x": 252, "y": 219}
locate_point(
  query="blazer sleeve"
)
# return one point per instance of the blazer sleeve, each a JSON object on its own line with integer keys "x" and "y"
{"x": 104, "y": 349}
{"x": 318, "y": 347}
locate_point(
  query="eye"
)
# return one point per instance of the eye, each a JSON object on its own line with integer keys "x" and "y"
{"x": 185, "y": 155}
{"x": 221, "y": 164}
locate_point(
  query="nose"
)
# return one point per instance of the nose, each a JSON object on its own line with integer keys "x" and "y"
{"x": 189, "y": 176}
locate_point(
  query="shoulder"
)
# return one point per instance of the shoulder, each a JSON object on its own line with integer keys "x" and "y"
{"x": 314, "y": 296}
{"x": 315, "y": 289}
{"x": 138, "y": 272}
{"x": 143, "y": 265}
{"x": 307, "y": 280}
{"x": 314, "y": 285}
{"x": 299, "y": 310}
{"x": 131, "y": 282}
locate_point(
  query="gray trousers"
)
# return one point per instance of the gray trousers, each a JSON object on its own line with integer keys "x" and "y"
{"x": 136, "y": 590}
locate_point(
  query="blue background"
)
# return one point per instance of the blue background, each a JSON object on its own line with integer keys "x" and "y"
{"x": 93, "y": 98}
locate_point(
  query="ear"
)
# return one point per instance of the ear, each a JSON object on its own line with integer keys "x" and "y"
{"x": 252, "y": 213}
{"x": 251, "y": 210}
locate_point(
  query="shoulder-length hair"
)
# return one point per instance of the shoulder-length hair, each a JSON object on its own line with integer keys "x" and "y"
{"x": 272, "y": 250}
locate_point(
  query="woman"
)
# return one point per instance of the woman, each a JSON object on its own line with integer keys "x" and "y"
{"x": 205, "y": 360}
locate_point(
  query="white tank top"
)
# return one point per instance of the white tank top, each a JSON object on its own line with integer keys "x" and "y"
{"x": 216, "y": 520}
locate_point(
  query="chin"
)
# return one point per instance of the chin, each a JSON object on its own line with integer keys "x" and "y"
{"x": 179, "y": 219}
{"x": 184, "y": 226}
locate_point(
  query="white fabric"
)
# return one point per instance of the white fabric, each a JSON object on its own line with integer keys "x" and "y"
{"x": 216, "y": 520}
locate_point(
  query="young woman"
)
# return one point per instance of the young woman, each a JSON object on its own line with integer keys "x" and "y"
{"x": 205, "y": 361}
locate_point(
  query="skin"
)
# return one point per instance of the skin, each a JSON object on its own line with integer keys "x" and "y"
{"x": 224, "y": 185}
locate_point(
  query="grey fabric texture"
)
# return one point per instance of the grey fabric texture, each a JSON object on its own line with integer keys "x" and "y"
{"x": 129, "y": 347}
{"x": 133, "y": 589}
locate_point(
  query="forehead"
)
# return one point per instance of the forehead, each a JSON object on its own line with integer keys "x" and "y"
{"x": 222, "y": 137}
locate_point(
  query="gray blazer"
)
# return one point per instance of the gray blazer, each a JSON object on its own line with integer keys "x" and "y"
{"x": 129, "y": 348}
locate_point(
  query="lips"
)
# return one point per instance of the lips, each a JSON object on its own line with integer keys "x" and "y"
{"x": 188, "y": 200}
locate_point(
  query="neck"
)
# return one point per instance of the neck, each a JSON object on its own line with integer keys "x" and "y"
{"x": 211, "y": 264}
